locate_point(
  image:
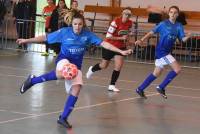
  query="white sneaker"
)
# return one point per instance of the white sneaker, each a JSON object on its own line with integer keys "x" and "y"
{"x": 89, "y": 72}
{"x": 113, "y": 88}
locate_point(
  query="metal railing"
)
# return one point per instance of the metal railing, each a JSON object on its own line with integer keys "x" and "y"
{"x": 188, "y": 54}
{"x": 13, "y": 29}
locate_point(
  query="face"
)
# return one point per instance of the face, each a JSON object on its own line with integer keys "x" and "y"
{"x": 173, "y": 14}
{"x": 74, "y": 5}
{"x": 61, "y": 4}
{"x": 50, "y": 2}
{"x": 77, "y": 25}
{"x": 126, "y": 14}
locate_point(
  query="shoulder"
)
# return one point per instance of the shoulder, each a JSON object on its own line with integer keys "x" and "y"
{"x": 129, "y": 22}
{"x": 64, "y": 30}
{"x": 164, "y": 22}
{"x": 179, "y": 24}
{"x": 116, "y": 22}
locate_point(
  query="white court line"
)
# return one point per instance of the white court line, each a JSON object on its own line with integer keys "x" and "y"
{"x": 133, "y": 81}
{"x": 120, "y": 80}
{"x": 3, "y": 110}
{"x": 77, "y": 108}
{"x": 183, "y": 96}
{"x": 95, "y": 105}
{"x": 128, "y": 81}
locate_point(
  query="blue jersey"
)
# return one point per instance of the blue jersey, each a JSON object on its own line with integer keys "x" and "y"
{"x": 73, "y": 45}
{"x": 169, "y": 32}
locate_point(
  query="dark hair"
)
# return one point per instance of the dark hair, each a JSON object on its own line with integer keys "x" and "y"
{"x": 65, "y": 7}
{"x": 127, "y": 8}
{"x": 74, "y": 1}
{"x": 175, "y": 7}
{"x": 77, "y": 15}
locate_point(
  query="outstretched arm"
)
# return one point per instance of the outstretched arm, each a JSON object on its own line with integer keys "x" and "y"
{"x": 184, "y": 39}
{"x": 38, "y": 39}
{"x": 108, "y": 46}
{"x": 139, "y": 42}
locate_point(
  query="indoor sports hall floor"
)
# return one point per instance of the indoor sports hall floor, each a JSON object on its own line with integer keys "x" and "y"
{"x": 97, "y": 111}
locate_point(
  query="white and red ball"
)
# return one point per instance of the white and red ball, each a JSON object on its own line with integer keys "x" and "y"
{"x": 69, "y": 71}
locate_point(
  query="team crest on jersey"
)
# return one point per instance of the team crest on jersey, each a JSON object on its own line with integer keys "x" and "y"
{"x": 123, "y": 32}
{"x": 84, "y": 38}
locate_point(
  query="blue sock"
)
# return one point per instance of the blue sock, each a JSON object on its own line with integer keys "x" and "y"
{"x": 147, "y": 82}
{"x": 170, "y": 76}
{"x": 69, "y": 106}
{"x": 45, "y": 77}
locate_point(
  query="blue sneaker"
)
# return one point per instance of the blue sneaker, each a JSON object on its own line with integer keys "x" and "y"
{"x": 161, "y": 92}
{"x": 27, "y": 84}
{"x": 63, "y": 122}
{"x": 141, "y": 93}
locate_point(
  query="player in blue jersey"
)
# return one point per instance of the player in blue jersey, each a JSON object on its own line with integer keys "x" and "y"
{"x": 169, "y": 31}
{"x": 73, "y": 42}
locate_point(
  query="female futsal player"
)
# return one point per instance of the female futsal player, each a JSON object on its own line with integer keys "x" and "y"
{"x": 73, "y": 42}
{"x": 169, "y": 31}
{"x": 117, "y": 35}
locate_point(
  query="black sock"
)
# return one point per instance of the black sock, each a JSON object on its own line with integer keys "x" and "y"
{"x": 115, "y": 76}
{"x": 96, "y": 68}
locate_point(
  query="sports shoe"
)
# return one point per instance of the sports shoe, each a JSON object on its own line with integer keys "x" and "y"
{"x": 27, "y": 84}
{"x": 161, "y": 92}
{"x": 64, "y": 122}
{"x": 141, "y": 93}
{"x": 45, "y": 54}
{"x": 89, "y": 72}
{"x": 113, "y": 88}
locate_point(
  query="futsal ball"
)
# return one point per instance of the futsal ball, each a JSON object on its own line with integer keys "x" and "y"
{"x": 69, "y": 71}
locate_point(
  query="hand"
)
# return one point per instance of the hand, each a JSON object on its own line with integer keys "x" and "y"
{"x": 138, "y": 42}
{"x": 189, "y": 35}
{"x": 21, "y": 41}
{"x": 125, "y": 37}
{"x": 127, "y": 52}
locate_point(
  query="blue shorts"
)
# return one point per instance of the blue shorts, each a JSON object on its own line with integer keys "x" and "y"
{"x": 76, "y": 62}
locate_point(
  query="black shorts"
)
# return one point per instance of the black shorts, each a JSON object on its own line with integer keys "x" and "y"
{"x": 108, "y": 55}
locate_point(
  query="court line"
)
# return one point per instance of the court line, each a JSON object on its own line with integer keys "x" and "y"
{"x": 184, "y": 96}
{"x": 91, "y": 106}
{"x": 120, "y": 80}
{"x": 7, "y": 55}
{"x": 76, "y": 108}
{"x": 168, "y": 94}
{"x": 133, "y": 81}
{"x": 3, "y": 110}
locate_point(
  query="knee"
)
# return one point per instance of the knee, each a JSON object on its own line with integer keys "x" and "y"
{"x": 76, "y": 90}
{"x": 103, "y": 65}
{"x": 157, "y": 72}
{"x": 177, "y": 70}
{"x": 59, "y": 74}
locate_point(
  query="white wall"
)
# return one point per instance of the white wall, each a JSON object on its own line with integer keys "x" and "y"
{"x": 186, "y": 5}
{"x": 190, "y": 5}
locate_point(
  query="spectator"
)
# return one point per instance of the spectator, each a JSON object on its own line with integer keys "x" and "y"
{"x": 47, "y": 11}
{"x": 2, "y": 11}
{"x": 23, "y": 13}
{"x": 57, "y": 21}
